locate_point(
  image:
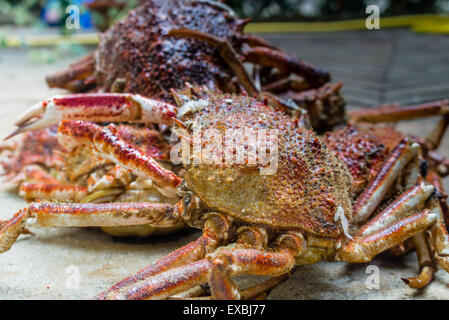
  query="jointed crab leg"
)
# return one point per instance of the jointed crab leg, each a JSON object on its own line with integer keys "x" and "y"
{"x": 425, "y": 263}
{"x": 440, "y": 162}
{"x": 363, "y": 249}
{"x": 376, "y": 190}
{"x": 88, "y": 214}
{"x": 165, "y": 284}
{"x": 49, "y": 191}
{"x": 79, "y": 72}
{"x": 395, "y": 112}
{"x": 215, "y": 231}
{"x": 436, "y": 135}
{"x": 97, "y": 107}
{"x": 234, "y": 260}
{"x": 108, "y": 145}
{"x": 282, "y": 61}
{"x": 411, "y": 200}
{"x": 35, "y": 173}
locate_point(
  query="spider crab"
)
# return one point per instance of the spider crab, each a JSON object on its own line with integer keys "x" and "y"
{"x": 311, "y": 208}
{"x": 157, "y": 48}
{"x": 162, "y": 44}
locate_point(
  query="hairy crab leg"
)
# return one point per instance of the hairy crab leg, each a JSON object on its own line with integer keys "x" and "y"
{"x": 363, "y": 249}
{"x": 411, "y": 200}
{"x": 215, "y": 232}
{"x": 87, "y": 215}
{"x": 378, "y": 187}
{"x": 106, "y": 144}
{"x": 226, "y": 51}
{"x": 96, "y": 107}
{"x": 395, "y": 112}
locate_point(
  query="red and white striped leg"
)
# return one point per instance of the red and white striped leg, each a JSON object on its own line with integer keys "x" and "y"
{"x": 145, "y": 282}
{"x": 374, "y": 193}
{"x": 88, "y": 215}
{"x": 105, "y": 143}
{"x": 96, "y": 107}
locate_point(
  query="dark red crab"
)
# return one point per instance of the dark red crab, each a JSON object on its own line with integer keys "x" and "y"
{"x": 161, "y": 45}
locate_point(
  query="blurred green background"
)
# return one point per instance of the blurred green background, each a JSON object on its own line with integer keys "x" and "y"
{"x": 100, "y": 13}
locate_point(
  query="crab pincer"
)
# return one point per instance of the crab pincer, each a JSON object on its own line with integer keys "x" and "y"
{"x": 97, "y": 107}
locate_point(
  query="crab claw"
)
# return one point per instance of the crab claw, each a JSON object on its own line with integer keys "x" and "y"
{"x": 96, "y": 107}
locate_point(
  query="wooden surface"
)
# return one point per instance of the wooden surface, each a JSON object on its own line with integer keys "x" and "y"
{"x": 375, "y": 66}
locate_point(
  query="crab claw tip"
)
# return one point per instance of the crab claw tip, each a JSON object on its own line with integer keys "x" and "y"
{"x": 16, "y": 132}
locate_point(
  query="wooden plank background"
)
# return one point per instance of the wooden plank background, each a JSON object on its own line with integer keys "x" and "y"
{"x": 377, "y": 66}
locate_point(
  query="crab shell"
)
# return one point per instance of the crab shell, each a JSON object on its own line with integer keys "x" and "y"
{"x": 138, "y": 52}
{"x": 306, "y": 191}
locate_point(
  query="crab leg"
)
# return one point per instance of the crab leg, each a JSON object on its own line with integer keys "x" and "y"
{"x": 435, "y": 180}
{"x": 87, "y": 215}
{"x": 106, "y": 144}
{"x": 215, "y": 232}
{"x": 282, "y": 61}
{"x": 226, "y": 51}
{"x": 440, "y": 162}
{"x": 233, "y": 261}
{"x": 286, "y": 84}
{"x": 436, "y": 135}
{"x": 241, "y": 261}
{"x": 425, "y": 263}
{"x": 378, "y": 187}
{"x": 165, "y": 284}
{"x": 363, "y": 249}
{"x": 54, "y": 192}
{"x": 395, "y": 112}
{"x": 411, "y": 200}
{"x": 96, "y": 107}
{"x": 79, "y": 71}
{"x": 255, "y": 41}
{"x": 189, "y": 253}
{"x": 257, "y": 292}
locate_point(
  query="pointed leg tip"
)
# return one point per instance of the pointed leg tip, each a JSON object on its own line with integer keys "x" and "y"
{"x": 406, "y": 281}
{"x": 16, "y": 132}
